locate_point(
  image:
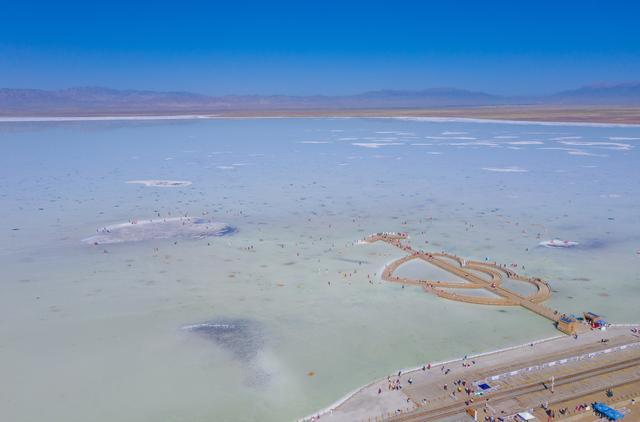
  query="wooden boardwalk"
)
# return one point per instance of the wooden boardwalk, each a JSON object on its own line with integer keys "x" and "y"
{"x": 469, "y": 273}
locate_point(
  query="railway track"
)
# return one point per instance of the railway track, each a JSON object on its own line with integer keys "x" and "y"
{"x": 501, "y": 395}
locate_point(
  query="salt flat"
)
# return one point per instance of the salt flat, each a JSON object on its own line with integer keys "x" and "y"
{"x": 97, "y": 330}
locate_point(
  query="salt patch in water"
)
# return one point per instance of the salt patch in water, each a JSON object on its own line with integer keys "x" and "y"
{"x": 161, "y": 228}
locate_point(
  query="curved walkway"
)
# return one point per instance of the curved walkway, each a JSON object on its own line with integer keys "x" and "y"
{"x": 467, "y": 271}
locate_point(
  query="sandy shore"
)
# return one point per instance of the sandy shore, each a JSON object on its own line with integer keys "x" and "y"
{"x": 583, "y": 115}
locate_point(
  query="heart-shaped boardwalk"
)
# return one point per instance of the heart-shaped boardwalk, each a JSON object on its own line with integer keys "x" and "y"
{"x": 470, "y": 274}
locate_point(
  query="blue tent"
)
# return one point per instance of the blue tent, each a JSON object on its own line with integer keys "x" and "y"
{"x": 608, "y": 412}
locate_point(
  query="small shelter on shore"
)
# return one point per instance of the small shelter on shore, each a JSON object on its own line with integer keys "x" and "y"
{"x": 568, "y": 325}
{"x": 607, "y": 412}
{"x": 596, "y": 321}
{"x": 524, "y": 417}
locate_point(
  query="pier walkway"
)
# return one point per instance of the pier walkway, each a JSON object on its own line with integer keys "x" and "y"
{"x": 473, "y": 275}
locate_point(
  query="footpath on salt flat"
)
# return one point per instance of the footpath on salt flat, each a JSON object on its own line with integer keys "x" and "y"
{"x": 426, "y": 389}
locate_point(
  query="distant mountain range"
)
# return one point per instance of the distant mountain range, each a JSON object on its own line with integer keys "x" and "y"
{"x": 97, "y": 100}
{"x": 610, "y": 94}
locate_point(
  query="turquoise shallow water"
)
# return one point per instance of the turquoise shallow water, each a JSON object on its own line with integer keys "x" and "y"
{"x": 96, "y": 332}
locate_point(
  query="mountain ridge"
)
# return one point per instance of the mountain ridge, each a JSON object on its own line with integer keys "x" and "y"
{"x": 95, "y": 99}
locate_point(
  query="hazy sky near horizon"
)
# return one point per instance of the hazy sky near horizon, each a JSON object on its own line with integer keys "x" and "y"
{"x": 323, "y": 47}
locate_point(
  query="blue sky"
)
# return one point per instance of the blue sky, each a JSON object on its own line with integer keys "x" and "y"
{"x": 321, "y": 47}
